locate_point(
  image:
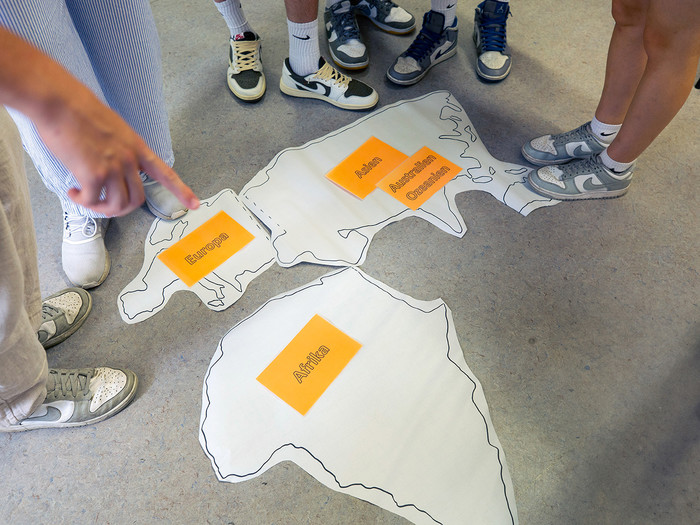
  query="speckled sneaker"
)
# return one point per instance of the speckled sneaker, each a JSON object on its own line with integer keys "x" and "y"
{"x": 558, "y": 149}
{"x": 581, "y": 179}
{"x": 80, "y": 397}
{"x": 62, "y": 314}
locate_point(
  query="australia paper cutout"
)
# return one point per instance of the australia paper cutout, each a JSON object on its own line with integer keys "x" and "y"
{"x": 314, "y": 220}
{"x": 404, "y": 426}
{"x": 150, "y": 290}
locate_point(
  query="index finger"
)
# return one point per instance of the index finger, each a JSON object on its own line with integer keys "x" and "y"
{"x": 160, "y": 171}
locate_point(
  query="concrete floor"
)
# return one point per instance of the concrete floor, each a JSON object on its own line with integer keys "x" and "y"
{"x": 581, "y": 321}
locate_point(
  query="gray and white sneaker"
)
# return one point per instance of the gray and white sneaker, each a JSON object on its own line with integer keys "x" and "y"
{"x": 387, "y": 16}
{"x": 81, "y": 397}
{"x": 161, "y": 201}
{"x": 84, "y": 255}
{"x": 330, "y": 85}
{"x": 558, "y": 149}
{"x": 432, "y": 45}
{"x": 344, "y": 41}
{"x": 245, "y": 76}
{"x": 62, "y": 314}
{"x": 493, "y": 60}
{"x": 581, "y": 179}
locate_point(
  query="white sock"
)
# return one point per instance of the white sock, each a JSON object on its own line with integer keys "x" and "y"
{"x": 447, "y": 8}
{"x": 605, "y": 133}
{"x": 232, "y": 11}
{"x": 304, "y": 52}
{"x": 613, "y": 164}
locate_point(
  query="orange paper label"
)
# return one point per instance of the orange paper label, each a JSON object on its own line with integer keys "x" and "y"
{"x": 367, "y": 165}
{"x": 416, "y": 179}
{"x": 307, "y": 366}
{"x": 206, "y": 248}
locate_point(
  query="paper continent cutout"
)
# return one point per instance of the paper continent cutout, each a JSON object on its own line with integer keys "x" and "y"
{"x": 314, "y": 220}
{"x": 404, "y": 426}
{"x": 150, "y": 290}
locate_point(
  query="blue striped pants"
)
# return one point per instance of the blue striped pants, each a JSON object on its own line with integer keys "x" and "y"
{"x": 112, "y": 47}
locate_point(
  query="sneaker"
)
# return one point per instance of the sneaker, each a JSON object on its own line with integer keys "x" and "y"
{"x": 581, "y": 179}
{"x": 245, "y": 71}
{"x": 84, "y": 255}
{"x": 160, "y": 201}
{"x": 344, "y": 41}
{"x": 493, "y": 54}
{"x": 62, "y": 314}
{"x": 387, "y": 16}
{"x": 330, "y": 85}
{"x": 432, "y": 45}
{"x": 558, "y": 149}
{"x": 81, "y": 397}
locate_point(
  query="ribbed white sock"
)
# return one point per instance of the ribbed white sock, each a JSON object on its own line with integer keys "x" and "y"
{"x": 304, "y": 52}
{"x": 613, "y": 164}
{"x": 605, "y": 133}
{"x": 447, "y": 8}
{"x": 232, "y": 11}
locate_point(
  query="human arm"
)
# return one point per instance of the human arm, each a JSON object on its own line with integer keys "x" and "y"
{"x": 93, "y": 142}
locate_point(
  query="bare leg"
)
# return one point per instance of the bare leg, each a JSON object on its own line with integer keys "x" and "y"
{"x": 673, "y": 48}
{"x": 301, "y": 11}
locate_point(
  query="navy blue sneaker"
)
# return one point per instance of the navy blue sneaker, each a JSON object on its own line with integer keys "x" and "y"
{"x": 344, "y": 40}
{"x": 432, "y": 46}
{"x": 493, "y": 54}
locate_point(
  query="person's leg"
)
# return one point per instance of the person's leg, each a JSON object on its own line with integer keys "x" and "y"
{"x": 672, "y": 46}
{"x": 245, "y": 77}
{"x": 121, "y": 40}
{"x": 436, "y": 42}
{"x": 48, "y": 26}
{"x": 23, "y": 367}
{"x": 306, "y": 74}
{"x": 493, "y": 61}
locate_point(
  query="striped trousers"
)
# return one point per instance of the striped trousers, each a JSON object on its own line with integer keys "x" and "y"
{"x": 112, "y": 47}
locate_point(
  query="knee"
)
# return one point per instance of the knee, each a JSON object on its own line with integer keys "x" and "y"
{"x": 629, "y": 13}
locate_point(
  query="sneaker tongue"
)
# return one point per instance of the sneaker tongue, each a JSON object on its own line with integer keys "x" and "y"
{"x": 248, "y": 35}
{"x": 434, "y": 22}
{"x": 495, "y": 9}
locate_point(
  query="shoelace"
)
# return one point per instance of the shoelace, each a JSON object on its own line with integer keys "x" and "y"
{"x": 69, "y": 384}
{"x": 581, "y": 167}
{"x": 329, "y": 73}
{"x": 422, "y": 46}
{"x": 77, "y": 223}
{"x": 247, "y": 54}
{"x": 48, "y": 312}
{"x": 580, "y": 133}
{"x": 493, "y": 32}
{"x": 346, "y": 21}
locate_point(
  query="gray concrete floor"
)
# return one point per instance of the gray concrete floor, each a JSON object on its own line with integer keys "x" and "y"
{"x": 581, "y": 320}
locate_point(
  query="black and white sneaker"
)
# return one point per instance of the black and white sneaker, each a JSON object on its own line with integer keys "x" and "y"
{"x": 245, "y": 76}
{"x": 330, "y": 85}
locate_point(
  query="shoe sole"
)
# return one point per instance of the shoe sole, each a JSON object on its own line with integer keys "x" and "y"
{"x": 491, "y": 78}
{"x": 94, "y": 284}
{"x": 583, "y": 196}
{"x": 77, "y": 324}
{"x": 292, "y": 92}
{"x": 160, "y": 215}
{"x": 247, "y": 97}
{"x": 540, "y": 162}
{"x": 121, "y": 406}
{"x": 345, "y": 65}
{"x": 389, "y": 29}
{"x": 412, "y": 81}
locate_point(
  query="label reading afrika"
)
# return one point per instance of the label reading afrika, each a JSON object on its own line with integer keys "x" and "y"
{"x": 206, "y": 248}
{"x": 307, "y": 366}
{"x": 419, "y": 177}
{"x": 367, "y": 165}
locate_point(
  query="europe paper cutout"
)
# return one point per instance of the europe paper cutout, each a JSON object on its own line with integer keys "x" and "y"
{"x": 155, "y": 283}
{"x": 313, "y": 221}
{"x": 405, "y": 426}
{"x": 305, "y": 368}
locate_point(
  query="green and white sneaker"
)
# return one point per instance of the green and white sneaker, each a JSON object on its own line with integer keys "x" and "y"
{"x": 245, "y": 75}
{"x": 581, "y": 179}
{"x": 558, "y": 149}
{"x": 81, "y": 397}
{"x": 62, "y": 314}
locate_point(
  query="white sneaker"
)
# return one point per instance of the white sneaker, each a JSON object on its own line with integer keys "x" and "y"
{"x": 160, "y": 201}
{"x": 85, "y": 257}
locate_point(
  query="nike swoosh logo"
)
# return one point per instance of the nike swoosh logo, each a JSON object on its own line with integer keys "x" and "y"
{"x": 579, "y": 150}
{"x": 316, "y": 87}
{"x": 450, "y": 6}
{"x": 307, "y": 37}
{"x": 588, "y": 183}
{"x": 608, "y": 134}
